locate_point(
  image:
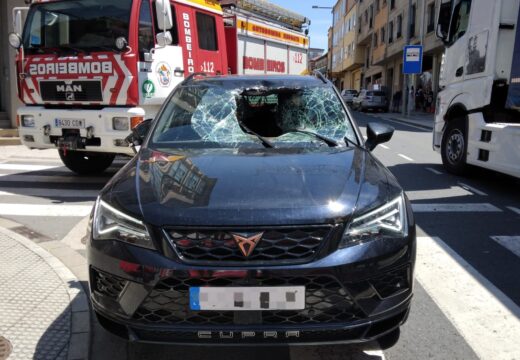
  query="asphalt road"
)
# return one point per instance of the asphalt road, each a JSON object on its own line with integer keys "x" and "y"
{"x": 467, "y": 291}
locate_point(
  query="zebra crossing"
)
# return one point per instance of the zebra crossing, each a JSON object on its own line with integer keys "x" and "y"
{"x": 44, "y": 190}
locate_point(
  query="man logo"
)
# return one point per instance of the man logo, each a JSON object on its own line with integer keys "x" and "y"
{"x": 247, "y": 244}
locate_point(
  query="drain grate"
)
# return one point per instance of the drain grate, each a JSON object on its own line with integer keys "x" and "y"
{"x": 5, "y": 348}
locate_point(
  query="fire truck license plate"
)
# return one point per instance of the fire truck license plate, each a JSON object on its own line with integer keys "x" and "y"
{"x": 247, "y": 298}
{"x": 69, "y": 123}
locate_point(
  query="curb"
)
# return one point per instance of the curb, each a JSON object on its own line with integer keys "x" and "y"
{"x": 7, "y": 141}
{"x": 79, "y": 343}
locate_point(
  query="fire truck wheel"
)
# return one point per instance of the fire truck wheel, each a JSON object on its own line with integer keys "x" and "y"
{"x": 85, "y": 163}
{"x": 455, "y": 146}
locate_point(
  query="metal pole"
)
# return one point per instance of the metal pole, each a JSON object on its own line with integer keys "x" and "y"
{"x": 406, "y": 78}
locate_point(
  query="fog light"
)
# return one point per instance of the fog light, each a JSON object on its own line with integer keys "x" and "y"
{"x": 28, "y": 121}
{"x": 120, "y": 123}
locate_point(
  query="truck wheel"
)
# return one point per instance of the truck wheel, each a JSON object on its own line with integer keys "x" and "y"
{"x": 85, "y": 163}
{"x": 454, "y": 147}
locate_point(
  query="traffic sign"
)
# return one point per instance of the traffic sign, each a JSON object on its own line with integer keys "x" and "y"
{"x": 412, "y": 59}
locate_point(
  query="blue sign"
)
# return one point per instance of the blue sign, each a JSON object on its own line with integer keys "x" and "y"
{"x": 412, "y": 59}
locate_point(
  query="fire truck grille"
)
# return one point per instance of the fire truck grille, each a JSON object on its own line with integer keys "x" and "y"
{"x": 82, "y": 91}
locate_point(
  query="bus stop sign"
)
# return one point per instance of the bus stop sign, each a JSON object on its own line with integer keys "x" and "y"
{"x": 412, "y": 59}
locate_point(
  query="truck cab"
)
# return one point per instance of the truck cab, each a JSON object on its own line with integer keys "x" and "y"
{"x": 477, "y": 118}
{"x": 90, "y": 71}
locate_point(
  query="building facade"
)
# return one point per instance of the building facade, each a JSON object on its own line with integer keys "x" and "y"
{"x": 371, "y": 56}
{"x": 8, "y": 94}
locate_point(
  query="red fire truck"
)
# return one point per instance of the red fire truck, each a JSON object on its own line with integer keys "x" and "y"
{"x": 91, "y": 70}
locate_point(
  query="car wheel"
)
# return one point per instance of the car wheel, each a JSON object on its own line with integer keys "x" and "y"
{"x": 454, "y": 147}
{"x": 85, "y": 163}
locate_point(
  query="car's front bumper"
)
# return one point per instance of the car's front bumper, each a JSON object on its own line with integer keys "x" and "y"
{"x": 355, "y": 294}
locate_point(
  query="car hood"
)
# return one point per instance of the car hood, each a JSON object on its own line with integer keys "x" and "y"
{"x": 233, "y": 187}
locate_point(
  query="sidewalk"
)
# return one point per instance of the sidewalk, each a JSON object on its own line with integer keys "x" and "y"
{"x": 425, "y": 120}
{"x": 44, "y": 312}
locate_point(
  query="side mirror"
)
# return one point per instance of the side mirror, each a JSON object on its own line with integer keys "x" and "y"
{"x": 15, "y": 40}
{"x": 164, "y": 38}
{"x": 136, "y": 138}
{"x": 378, "y": 133}
{"x": 441, "y": 35}
{"x": 164, "y": 14}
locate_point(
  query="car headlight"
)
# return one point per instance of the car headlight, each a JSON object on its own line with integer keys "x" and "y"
{"x": 387, "y": 221}
{"x": 112, "y": 224}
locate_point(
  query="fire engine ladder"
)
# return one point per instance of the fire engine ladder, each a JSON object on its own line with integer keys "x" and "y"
{"x": 274, "y": 12}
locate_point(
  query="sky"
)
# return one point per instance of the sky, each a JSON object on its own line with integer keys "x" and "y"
{"x": 321, "y": 19}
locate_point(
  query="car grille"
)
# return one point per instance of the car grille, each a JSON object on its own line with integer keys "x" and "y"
{"x": 393, "y": 282}
{"x": 107, "y": 285}
{"x": 281, "y": 245}
{"x": 326, "y": 301}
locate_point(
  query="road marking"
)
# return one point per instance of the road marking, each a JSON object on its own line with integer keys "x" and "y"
{"x": 436, "y": 172}
{"x": 405, "y": 157}
{"x": 511, "y": 243}
{"x": 472, "y": 189}
{"x": 405, "y": 123}
{"x": 54, "y": 179}
{"x": 454, "y": 191}
{"x": 472, "y": 303}
{"x": 49, "y": 193}
{"x": 45, "y": 210}
{"x": 513, "y": 209}
{"x": 384, "y": 147}
{"x": 466, "y": 207}
{"x": 26, "y": 167}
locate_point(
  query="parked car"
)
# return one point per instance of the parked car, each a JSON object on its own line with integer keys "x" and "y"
{"x": 253, "y": 213}
{"x": 348, "y": 96}
{"x": 371, "y": 100}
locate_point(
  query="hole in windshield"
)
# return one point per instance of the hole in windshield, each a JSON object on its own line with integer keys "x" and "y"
{"x": 206, "y": 116}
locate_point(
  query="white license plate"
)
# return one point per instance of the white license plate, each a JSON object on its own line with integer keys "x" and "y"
{"x": 69, "y": 123}
{"x": 247, "y": 298}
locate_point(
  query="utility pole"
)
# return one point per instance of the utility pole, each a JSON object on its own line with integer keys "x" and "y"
{"x": 406, "y": 78}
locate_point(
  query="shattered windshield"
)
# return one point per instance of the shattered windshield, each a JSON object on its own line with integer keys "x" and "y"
{"x": 208, "y": 116}
{"x": 76, "y": 25}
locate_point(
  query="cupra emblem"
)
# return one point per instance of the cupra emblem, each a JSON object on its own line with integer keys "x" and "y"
{"x": 247, "y": 244}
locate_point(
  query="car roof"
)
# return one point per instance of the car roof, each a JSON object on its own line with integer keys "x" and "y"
{"x": 248, "y": 81}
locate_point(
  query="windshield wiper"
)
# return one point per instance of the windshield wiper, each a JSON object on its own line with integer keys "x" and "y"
{"x": 76, "y": 50}
{"x": 264, "y": 141}
{"x": 330, "y": 142}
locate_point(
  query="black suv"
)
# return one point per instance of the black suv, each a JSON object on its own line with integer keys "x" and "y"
{"x": 253, "y": 213}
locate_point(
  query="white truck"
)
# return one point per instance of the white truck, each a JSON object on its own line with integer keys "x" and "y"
{"x": 477, "y": 118}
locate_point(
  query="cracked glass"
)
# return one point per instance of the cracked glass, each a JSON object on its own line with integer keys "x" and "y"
{"x": 210, "y": 116}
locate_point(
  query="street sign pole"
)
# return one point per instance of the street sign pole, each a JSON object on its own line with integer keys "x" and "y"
{"x": 405, "y": 97}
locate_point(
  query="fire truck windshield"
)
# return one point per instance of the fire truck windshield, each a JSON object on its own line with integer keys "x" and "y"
{"x": 76, "y": 25}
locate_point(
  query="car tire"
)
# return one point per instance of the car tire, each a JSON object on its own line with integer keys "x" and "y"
{"x": 85, "y": 163}
{"x": 389, "y": 340}
{"x": 454, "y": 147}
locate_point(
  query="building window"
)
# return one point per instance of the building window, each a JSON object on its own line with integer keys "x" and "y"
{"x": 377, "y": 6}
{"x": 375, "y": 40}
{"x": 413, "y": 15}
{"x": 399, "y": 26}
{"x": 359, "y": 24}
{"x": 366, "y": 16}
{"x": 207, "y": 31}
{"x": 392, "y": 4}
{"x": 371, "y": 19}
{"x": 431, "y": 18}
{"x": 391, "y": 32}
{"x": 382, "y": 35}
